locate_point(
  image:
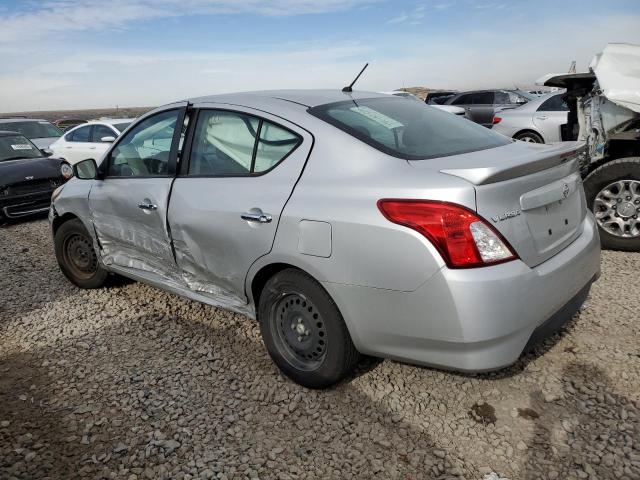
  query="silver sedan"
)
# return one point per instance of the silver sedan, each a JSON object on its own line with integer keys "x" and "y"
{"x": 537, "y": 121}
{"x": 345, "y": 223}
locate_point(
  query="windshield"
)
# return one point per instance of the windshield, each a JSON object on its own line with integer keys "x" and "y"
{"x": 14, "y": 147}
{"x": 34, "y": 129}
{"x": 121, "y": 126}
{"x": 410, "y": 130}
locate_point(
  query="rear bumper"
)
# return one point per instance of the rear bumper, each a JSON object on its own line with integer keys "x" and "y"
{"x": 477, "y": 319}
{"x": 25, "y": 205}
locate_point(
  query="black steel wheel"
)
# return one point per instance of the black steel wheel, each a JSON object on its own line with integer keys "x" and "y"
{"x": 304, "y": 331}
{"x": 76, "y": 256}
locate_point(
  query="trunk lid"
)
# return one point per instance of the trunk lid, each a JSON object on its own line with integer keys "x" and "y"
{"x": 532, "y": 194}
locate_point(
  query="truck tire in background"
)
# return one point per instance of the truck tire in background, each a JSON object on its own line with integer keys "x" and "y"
{"x": 613, "y": 194}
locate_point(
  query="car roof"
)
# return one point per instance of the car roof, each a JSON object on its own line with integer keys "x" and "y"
{"x": 108, "y": 121}
{"x": 306, "y": 98}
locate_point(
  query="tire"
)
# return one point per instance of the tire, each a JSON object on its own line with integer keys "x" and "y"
{"x": 76, "y": 256}
{"x": 617, "y": 179}
{"x": 531, "y": 137}
{"x": 317, "y": 354}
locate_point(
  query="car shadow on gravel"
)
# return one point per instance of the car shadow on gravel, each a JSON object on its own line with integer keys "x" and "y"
{"x": 589, "y": 432}
{"x": 186, "y": 384}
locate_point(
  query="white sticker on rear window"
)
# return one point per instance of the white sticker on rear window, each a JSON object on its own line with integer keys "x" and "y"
{"x": 21, "y": 146}
{"x": 43, "y": 123}
{"x": 377, "y": 117}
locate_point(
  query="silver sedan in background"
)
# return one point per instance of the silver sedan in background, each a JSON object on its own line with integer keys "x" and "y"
{"x": 345, "y": 223}
{"x": 537, "y": 121}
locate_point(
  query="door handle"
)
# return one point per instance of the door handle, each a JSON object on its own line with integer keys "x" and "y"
{"x": 256, "y": 217}
{"x": 92, "y": 148}
{"x": 542, "y": 117}
{"x": 147, "y": 206}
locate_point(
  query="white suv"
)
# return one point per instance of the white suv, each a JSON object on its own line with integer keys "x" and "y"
{"x": 89, "y": 140}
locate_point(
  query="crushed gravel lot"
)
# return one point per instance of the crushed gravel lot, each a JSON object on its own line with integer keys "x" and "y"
{"x": 130, "y": 382}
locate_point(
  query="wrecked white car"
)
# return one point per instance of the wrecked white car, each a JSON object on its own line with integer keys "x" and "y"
{"x": 604, "y": 112}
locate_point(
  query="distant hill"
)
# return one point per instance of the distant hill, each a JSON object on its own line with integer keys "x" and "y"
{"x": 89, "y": 114}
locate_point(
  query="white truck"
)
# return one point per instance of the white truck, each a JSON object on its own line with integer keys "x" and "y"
{"x": 604, "y": 112}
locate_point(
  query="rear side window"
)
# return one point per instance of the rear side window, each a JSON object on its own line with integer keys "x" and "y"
{"x": 483, "y": 98}
{"x": 229, "y": 143}
{"x": 409, "y": 130}
{"x": 466, "y": 99}
{"x": 554, "y": 104}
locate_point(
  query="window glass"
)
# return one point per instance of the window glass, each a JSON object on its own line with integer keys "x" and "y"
{"x": 122, "y": 126}
{"x": 554, "y": 104}
{"x": 33, "y": 128}
{"x": 414, "y": 131}
{"x": 145, "y": 149}
{"x": 100, "y": 131}
{"x": 483, "y": 98}
{"x": 223, "y": 143}
{"x": 16, "y": 146}
{"x": 463, "y": 100}
{"x": 501, "y": 98}
{"x": 80, "y": 135}
{"x": 275, "y": 144}
{"x": 517, "y": 98}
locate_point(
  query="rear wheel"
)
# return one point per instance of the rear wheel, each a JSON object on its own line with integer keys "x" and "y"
{"x": 76, "y": 256}
{"x": 303, "y": 330}
{"x": 613, "y": 193}
{"x": 530, "y": 137}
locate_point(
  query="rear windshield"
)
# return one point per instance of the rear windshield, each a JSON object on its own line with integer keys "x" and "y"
{"x": 15, "y": 147}
{"x": 409, "y": 130}
{"x": 34, "y": 129}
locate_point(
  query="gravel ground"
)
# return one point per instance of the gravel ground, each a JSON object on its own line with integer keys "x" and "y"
{"x": 133, "y": 383}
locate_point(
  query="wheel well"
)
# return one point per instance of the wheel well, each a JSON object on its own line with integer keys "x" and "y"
{"x": 264, "y": 274}
{"x": 57, "y": 221}
{"x": 527, "y": 130}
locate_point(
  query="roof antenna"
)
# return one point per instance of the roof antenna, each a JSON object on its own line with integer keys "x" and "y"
{"x": 349, "y": 89}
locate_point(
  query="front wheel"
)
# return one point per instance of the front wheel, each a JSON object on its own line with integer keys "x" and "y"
{"x": 76, "y": 256}
{"x": 613, "y": 193}
{"x": 303, "y": 330}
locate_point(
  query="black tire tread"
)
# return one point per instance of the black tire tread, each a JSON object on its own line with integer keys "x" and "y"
{"x": 350, "y": 355}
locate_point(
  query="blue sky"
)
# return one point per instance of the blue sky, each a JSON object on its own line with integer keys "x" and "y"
{"x": 90, "y": 53}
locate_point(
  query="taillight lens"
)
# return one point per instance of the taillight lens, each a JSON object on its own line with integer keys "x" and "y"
{"x": 496, "y": 120}
{"x": 463, "y": 238}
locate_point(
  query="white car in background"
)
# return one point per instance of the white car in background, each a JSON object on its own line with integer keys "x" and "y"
{"x": 537, "y": 121}
{"x": 445, "y": 108}
{"x": 89, "y": 140}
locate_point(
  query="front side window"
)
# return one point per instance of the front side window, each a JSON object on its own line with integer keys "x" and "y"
{"x": 234, "y": 143}
{"x": 122, "y": 126}
{"x": 409, "y": 130}
{"x": 34, "y": 129}
{"x": 145, "y": 149}
{"x": 14, "y": 147}
{"x": 466, "y": 99}
{"x": 101, "y": 131}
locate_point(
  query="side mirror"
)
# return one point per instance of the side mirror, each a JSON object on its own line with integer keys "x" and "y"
{"x": 45, "y": 152}
{"x": 108, "y": 139}
{"x": 86, "y": 169}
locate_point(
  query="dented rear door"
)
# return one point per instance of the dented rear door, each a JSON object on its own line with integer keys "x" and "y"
{"x": 223, "y": 216}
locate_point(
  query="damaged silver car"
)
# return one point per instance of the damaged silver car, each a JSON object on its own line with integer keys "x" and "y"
{"x": 346, "y": 222}
{"x": 604, "y": 112}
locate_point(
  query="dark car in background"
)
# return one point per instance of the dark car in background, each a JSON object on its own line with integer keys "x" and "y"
{"x": 41, "y": 132}
{"x": 482, "y": 105}
{"x": 27, "y": 178}
{"x": 65, "y": 124}
{"x": 439, "y": 97}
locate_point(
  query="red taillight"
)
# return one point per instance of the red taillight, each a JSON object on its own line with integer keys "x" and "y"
{"x": 450, "y": 228}
{"x": 496, "y": 120}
